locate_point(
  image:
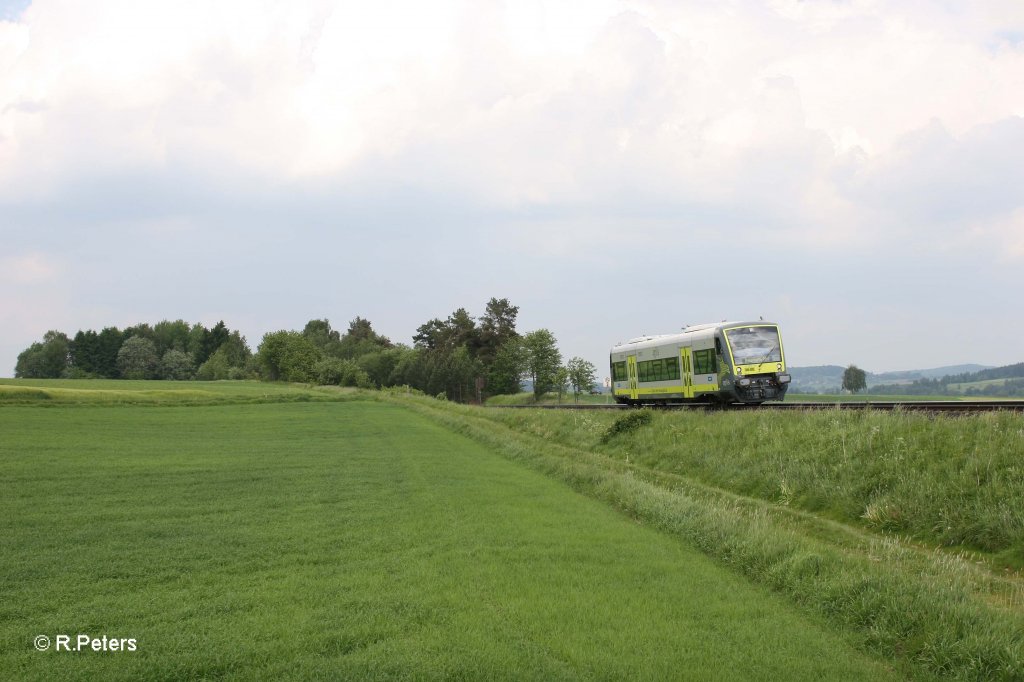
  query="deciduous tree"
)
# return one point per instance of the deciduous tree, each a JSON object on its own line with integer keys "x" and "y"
{"x": 288, "y": 356}
{"x": 542, "y": 361}
{"x": 169, "y": 335}
{"x": 176, "y": 364}
{"x": 854, "y": 379}
{"x": 46, "y": 360}
{"x": 582, "y": 376}
{"x": 137, "y": 358}
{"x": 505, "y": 374}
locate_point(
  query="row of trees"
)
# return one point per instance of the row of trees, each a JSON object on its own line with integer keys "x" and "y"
{"x": 166, "y": 350}
{"x": 460, "y": 357}
{"x": 465, "y": 358}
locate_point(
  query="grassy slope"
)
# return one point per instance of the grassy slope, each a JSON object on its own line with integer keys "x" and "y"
{"x": 351, "y": 539}
{"x": 949, "y": 481}
{"x": 548, "y": 399}
{"x": 941, "y": 614}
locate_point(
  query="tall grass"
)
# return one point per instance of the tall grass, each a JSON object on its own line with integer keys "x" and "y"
{"x": 951, "y": 481}
{"x": 940, "y": 614}
{"x": 548, "y": 399}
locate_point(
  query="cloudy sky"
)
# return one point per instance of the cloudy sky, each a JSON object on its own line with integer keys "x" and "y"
{"x": 851, "y": 169}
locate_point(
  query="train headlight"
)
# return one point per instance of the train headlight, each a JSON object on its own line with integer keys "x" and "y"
{"x": 743, "y": 382}
{"x": 784, "y": 378}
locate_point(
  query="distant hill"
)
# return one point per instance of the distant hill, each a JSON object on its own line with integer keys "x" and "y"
{"x": 936, "y": 373}
{"x": 829, "y": 378}
{"x": 1006, "y": 381}
{"x": 816, "y": 379}
{"x": 968, "y": 379}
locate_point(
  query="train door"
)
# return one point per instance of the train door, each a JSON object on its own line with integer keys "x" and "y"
{"x": 686, "y": 371}
{"x": 631, "y": 371}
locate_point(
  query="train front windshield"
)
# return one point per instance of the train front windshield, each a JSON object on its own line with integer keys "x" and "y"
{"x": 753, "y": 345}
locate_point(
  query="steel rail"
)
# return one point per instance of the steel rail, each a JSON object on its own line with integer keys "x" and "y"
{"x": 944, "y": 406}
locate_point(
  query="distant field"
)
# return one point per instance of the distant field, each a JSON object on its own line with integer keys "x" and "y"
{"x": 351, "y": 539}
{"x": 74, "y": 392}
{"x": 862, "y": 398}
{"x": 979, "y": 385}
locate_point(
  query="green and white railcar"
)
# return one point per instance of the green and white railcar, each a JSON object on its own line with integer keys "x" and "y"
{"x": 727, "y": 362}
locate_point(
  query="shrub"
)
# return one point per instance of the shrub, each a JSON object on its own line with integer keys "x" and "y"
{"x": 73, "y": 372}
{"x": 404, "y": 389}
{"x": 337, "y": 372}
{"x": 627, "y": 423}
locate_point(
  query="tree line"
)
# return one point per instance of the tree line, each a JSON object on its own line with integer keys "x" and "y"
{"x": 166, "y": 350}
{"x": 460, "y": 357}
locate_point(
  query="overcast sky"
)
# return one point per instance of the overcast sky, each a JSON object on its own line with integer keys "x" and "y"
{"x": 852, "y": 170}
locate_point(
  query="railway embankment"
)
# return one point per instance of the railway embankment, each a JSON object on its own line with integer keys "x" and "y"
{"x": 902, "y": 530}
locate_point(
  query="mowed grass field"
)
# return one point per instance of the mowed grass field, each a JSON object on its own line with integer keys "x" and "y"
{"x": 352, "y": 539}
{"x": 80, "y": 392}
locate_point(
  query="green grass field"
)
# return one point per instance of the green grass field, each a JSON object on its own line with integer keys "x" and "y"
{"x": 356, "y": 539}
{"x": 78, "y": 392}
{"x": 817, "y": 506}
{"x": 861, "y": 398}
{"x": 980, "y": 385}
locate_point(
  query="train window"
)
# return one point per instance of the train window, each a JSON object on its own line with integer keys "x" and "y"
{"x": 665, "y": 369}
{"x": 754, "y": 345}
{"x": 704, "y": 362}
{"x": 619, "y": 371}
{"x": 672, "y": 369}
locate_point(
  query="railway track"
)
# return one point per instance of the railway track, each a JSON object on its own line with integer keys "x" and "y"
{"x": 944, "y": 406}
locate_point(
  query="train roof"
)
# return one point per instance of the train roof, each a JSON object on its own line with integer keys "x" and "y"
{"x": 690, "y": 332}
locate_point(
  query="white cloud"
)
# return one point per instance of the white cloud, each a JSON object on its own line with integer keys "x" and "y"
{"x": 788, "y": 127}
{"x": 529, "y": 102}
{"x": 31, "y": 268}
{"x": 1005, "y": 231}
